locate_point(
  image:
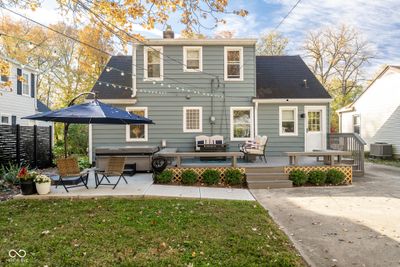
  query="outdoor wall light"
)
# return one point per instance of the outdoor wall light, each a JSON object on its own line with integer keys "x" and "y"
{"x": 212, "y": 119}
{"x": 302, "y": 115}
{"x": 188, "y": 97}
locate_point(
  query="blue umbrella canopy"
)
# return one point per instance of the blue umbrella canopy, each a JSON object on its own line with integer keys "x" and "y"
{"x": 94, "y": 112}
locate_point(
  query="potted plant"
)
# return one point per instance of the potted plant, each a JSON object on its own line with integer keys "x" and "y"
{"x": 26, "y": 181}
{"x": 43, "y": 183}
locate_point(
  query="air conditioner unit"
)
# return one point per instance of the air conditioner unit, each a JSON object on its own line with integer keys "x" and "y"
{"x": 380, "y": 150}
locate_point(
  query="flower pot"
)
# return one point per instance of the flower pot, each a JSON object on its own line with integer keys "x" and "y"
{"x": 43, "y": 188}
{"x": 28, "y": 188}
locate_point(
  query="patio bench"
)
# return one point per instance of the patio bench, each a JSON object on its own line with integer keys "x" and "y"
{"x": 328, "y": 155}
{"x": 179, "y": 155}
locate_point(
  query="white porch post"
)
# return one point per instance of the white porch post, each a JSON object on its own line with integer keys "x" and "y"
{"x": 134, "y": 90}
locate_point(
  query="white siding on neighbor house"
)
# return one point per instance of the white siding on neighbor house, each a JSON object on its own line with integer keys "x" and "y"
{"x": 379, "y": 110}
{"x": 19, "y": 105}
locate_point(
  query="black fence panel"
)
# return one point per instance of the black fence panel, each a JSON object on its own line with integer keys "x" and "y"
{"x": 26, "y": 145}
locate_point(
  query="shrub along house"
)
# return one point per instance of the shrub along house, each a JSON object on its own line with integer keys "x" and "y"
{"x": 192, "y": 87}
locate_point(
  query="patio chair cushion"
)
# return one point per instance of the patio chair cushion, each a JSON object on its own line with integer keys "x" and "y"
{"x": 255, "y": 151}
{"x": 219, "y": 142}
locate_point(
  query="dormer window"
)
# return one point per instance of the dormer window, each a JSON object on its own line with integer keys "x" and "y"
{"x": 192, "y": 58}
{"x": 153, "y": 63}
{"x": 233, "y": 64}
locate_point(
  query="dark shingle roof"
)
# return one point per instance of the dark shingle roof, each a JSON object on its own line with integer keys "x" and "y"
{"x": 283, "y": 77}
{"x": 41, "y": 107}
{"x": 122, "y": 63}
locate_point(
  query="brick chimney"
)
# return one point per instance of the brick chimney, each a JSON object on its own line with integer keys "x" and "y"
{"x": 168, "y": 33}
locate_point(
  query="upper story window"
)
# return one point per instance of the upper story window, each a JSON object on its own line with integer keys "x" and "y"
{"x": 356, "y": 123}
{"x": 25, "y": 84}
{"x": 192, "y": 119}
{"x": 4, "y": 72}
{"x": 153, "y": 63}
{"x": 288, "y": 121}
{"x": 192, "y": 58}
{"x": 233, "y": 63}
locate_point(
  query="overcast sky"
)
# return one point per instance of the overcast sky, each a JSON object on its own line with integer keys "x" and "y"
{"x": 377, "y": 20}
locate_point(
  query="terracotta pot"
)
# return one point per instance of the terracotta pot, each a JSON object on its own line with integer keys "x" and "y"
{"x": 28, "y": 188}
{"x": 43, "y": 188}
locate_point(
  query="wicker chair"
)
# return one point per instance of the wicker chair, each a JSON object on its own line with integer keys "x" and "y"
{"x": 255, "y": 148}
{"x": 68, "y": 170}
{"x": 115, "y": 167}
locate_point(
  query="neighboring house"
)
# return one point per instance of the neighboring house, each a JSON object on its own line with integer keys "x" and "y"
{"x": 375, "y": 114}
{"x": 178, "y": 83}
{"x": 19, "y": 99}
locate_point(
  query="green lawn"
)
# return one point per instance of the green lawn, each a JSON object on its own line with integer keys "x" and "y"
{"x": 146, "y": 232}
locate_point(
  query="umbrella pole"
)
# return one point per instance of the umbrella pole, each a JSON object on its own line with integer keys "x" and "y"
{"x": 66, "y": 125}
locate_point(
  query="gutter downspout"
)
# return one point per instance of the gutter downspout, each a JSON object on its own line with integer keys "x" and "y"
{"x": 255, "y": 119}
{"x": 134, "y": 89}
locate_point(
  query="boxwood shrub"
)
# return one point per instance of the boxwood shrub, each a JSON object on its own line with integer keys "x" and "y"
{"x": 298, "y": 177}
{"x": 335, "y": 177}
{"x": 317, "y": 177}
{"x": 233, "y": 176}
{"x": 211, "y": 176}
{"x": 164, "y": 177}
{"x": 189, "y": 177}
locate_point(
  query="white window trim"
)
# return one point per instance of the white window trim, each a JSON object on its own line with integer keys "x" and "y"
{"x": 234, "y": 48}
{"x": 9, "y": 118}
{"x": 145, "y": 74}
{"x": 185, "y": 130}
{"x": 146, "y": 128}
{"x": 296, "y": 120}
{"x": 29, "y": 84}
{"x": 185, "y": 49}
{"x": 251, "y": 125}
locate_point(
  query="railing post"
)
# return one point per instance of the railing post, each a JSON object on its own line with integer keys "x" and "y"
{"x": 17, "y": 144}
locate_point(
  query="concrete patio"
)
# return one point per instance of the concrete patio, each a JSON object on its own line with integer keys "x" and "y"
{"x": 141, "y": 185}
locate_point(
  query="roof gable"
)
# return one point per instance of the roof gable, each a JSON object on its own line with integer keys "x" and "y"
{"x": 284, "y": 77}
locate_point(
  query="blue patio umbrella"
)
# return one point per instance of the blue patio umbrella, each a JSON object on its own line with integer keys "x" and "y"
{"x": 94, "y": 112}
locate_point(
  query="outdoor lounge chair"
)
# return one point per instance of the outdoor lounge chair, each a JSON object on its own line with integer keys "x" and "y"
{"x": 69, "y": 171}
{"x": 255, "y": 148}
{"x": 115, "y": 167}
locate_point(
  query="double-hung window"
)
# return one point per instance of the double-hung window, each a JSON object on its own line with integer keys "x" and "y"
{"x": 233, "y": 63}
{"x": 242, "y": 127}
{"x": 192, "y": 58}
{"x": 4, "y": 73}
{"x": 288, "y": 121}
{"x": 192, "y": 119}
{"x": 356, "y": 123}
{"x": 153, "y": 63}
{"x": 25, "y": 84}
{"x": 137, "y": 132}
{"x": 5, "y": 119}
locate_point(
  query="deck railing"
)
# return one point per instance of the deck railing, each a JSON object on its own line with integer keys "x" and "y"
{"x": 349, "y": 142}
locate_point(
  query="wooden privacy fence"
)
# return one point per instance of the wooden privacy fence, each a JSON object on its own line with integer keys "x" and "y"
{"x": 26, "y": 145}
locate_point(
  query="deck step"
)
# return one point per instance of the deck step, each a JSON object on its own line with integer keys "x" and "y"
{"x": 266, "y": 176}
{"x": 270, "y": 184}
{"x": 264, "y": 169}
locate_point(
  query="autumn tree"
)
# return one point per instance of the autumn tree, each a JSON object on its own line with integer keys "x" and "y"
{"x": 120, "y": 17}
{"x": 272, "y": 44}
{"x": 337, "y": 56}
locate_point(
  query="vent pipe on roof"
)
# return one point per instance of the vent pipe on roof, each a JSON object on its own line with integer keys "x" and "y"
{"x": 305, "y": 83}
{"x": 168, "y": 33}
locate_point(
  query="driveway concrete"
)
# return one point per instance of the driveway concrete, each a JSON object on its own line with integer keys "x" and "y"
{"x": 356, "y": 225}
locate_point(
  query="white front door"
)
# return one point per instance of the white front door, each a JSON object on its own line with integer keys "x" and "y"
{"x": 315, "y": 128}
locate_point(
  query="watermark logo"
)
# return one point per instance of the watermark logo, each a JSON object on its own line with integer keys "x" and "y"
{"x": 14, "y": 254}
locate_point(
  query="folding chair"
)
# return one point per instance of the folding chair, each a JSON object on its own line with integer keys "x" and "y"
{"x": 69, "y": 171}
{"x": 115, "y": 167}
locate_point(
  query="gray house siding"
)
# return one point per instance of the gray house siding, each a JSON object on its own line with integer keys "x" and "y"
{"x": 268, "y": 124}
{"x": 167, "y": 110}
